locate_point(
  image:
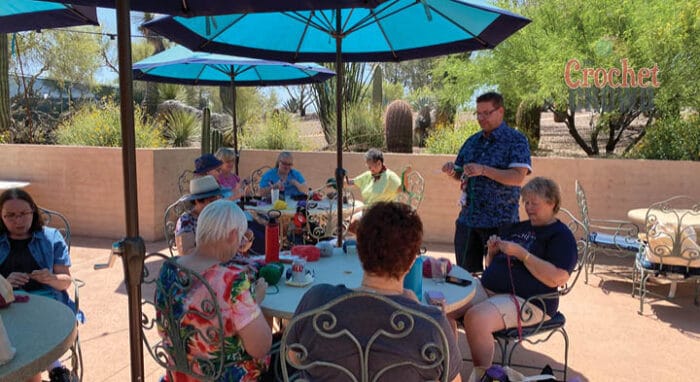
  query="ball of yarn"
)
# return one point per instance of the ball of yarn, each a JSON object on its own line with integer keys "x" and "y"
{"x": 272, "y": 273}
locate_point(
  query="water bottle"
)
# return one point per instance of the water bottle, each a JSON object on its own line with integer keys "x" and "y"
{"x": 272, "y": 237}
{"x": 414, "y": 278}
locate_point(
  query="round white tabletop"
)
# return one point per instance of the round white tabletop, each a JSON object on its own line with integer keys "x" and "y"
{"x": 41, "y": 330}
{"x": 346, "y": 269}
{"x": 322, "y": 206}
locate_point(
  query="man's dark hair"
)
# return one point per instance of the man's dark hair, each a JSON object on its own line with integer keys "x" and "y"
{"x": 495, "y": 98}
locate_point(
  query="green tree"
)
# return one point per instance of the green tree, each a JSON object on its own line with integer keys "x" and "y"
{"x": 530, "y": 64}
{"x": 68, "y": 56}
{"x": 4, "y": 86}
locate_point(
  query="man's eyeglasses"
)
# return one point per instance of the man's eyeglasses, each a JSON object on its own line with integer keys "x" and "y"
{"x": 21, "y": 215}
{"x": 485, "y": 114}
{"x": 290, "y": 164}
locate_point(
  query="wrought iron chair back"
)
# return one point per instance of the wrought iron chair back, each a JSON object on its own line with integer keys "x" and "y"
{"x": 412, "y": 187}
{"x": 183, "y": 182}
{"x": 671, "y": 248}
{"x": 60, "y": 222}
{"x": 170, "y": 217}
{"x": 607, "y": 236}
{"x": 160, "y": 311}
{"x": 535, "y": 332}
{"x": 330, "y": 322}
{"x": 323, "y": 225}
{"x": 254, "y": 181}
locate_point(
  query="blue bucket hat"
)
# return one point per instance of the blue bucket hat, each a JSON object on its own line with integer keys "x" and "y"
{"x": 206, "y": 163}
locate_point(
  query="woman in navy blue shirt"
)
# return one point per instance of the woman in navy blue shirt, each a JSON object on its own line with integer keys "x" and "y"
{"x": 525, "y": 259}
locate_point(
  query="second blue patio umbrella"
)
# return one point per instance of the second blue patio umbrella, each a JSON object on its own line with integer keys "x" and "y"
{"x": 394, "y": 30}
{"x": 182, "y": 66}
{"x": 26, "y": 15}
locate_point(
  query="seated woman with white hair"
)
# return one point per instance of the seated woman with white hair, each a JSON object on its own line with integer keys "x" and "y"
{"x": 220, "y": 230}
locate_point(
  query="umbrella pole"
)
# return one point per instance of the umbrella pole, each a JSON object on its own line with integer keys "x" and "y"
{"x": 233, "y": 114}
{"x": 339, "y": 123}
{"x": 134, "y": 248}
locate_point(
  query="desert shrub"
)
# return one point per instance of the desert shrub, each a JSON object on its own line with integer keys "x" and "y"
{"x": 279, "y": 132}
{"x": 670, "y": 139}
{"x": 181, "y": 128}
{"x": 363, "y": 128}
{"x": 448, "y": 140}
{"x": 99, "y": 125}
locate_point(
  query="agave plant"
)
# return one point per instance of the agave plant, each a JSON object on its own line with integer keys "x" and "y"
{"x": 181, "y": 128}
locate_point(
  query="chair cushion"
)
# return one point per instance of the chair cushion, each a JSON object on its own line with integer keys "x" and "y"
{"x": 555, "y": 322}
{"x": 614, "y": 241}
{"x": 661, "y": 239}
{"x": 683, "y": 270}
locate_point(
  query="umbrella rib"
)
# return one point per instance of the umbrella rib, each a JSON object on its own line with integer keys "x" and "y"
{"x": 223, "y": 29}
{"x": 309, "y": 21}
{"x": 386, "y": 38}
{"x": 481, "y": 41}
{"x": 374, "y": 16}
{"x": 199, "y": 74}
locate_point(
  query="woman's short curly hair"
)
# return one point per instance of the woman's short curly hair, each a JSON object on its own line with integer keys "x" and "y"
{"x": 389, "y": 239}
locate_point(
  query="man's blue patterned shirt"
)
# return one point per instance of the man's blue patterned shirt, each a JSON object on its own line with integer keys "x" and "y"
{"x": 487, "y": 203}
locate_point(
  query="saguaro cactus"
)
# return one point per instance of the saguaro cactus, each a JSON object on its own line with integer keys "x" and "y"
{"x": 398, "y": 127}
{"x": 377, "y": 87}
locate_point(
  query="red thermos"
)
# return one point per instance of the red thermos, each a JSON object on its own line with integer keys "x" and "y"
{"x": 272, "y": 237}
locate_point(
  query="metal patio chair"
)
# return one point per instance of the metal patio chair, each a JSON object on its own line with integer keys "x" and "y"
{"x": 607, "y": 236}
{"x": 159, "y": 310}
{"x": 670, "y": 250}
{"x": 170, "y": 217}
{"x": 412, "y": 187}
{"x": 398, "y": 325}
{"x": 58, "y": 221}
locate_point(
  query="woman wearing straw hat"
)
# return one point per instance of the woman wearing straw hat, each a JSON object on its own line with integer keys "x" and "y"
{"x": 203, "y": 191}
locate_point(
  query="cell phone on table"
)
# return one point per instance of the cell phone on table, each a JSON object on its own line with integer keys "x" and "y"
{"x": 458, "y": 281}
{"x": 435, "y": 297}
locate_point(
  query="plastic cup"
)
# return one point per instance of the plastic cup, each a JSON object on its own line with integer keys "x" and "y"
{"x": 274, "y": 195}
{"x": 299, "y": 270}
{"x": 438, "y": 269}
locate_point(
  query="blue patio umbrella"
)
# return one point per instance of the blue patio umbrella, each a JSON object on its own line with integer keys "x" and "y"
{"x": 181, "y": 65}
{"x": 191, "y": 8}
{"x": 394, "y": 30}
{"x": 26, "y": 15}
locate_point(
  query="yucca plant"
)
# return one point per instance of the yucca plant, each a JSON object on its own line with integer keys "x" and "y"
{"x": 181, "y": 128}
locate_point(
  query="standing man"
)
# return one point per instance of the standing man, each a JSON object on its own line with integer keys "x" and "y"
{"x": 491, "y": 166}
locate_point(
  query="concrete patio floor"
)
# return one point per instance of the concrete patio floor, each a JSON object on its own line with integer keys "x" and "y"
{"x": 609, "y": 341}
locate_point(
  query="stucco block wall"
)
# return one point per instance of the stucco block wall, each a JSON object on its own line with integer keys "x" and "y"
{"x": 85, "y": 183}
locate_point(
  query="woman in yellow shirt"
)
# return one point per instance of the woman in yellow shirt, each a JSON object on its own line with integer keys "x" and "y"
{"x": 378, "y": 184}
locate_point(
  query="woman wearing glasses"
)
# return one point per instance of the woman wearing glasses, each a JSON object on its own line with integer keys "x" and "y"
{"x": 33, "y": 258}
{"x": 289, "y": 180}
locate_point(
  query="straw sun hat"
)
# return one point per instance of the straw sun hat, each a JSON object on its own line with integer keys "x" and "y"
{"x": 206, "y": 187}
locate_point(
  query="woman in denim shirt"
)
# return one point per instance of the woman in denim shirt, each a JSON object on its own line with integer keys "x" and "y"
{"x": 33, "y": 258}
